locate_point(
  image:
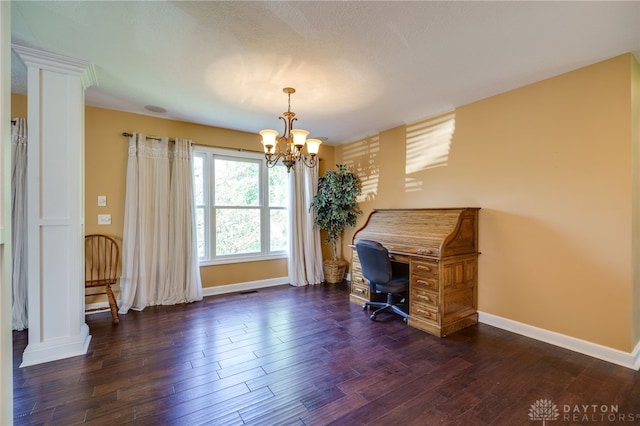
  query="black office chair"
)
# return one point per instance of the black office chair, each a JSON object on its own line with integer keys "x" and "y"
{"x": 378, "y": 271}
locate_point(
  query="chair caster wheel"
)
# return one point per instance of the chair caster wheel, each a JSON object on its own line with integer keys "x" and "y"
{"x": 364, "y": 307}
{"x": 405, "y": 320}
{"x": 373, "y": 316}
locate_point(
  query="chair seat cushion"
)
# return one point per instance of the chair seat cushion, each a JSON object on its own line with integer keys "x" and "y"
{"x": 395, "y": 286}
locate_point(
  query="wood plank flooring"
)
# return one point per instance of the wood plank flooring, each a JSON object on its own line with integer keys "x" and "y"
{"x": 306, "y": 356}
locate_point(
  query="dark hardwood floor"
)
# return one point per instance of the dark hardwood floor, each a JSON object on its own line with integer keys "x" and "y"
{"x": 306, "y": 356}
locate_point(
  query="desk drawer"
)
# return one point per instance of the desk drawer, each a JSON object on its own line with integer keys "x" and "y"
{"x": 424, "y": 311}
{"x": 360, "y": 290}
{"x": 424, "y": 297}
{"x": 424, "y": 268}
{"x": 423, "y": 283}
{"x": 358, "y": 278}
{"x": 414, "y": 249}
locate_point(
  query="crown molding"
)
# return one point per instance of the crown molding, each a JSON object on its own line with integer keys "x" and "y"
{"x": 58, "y": 63}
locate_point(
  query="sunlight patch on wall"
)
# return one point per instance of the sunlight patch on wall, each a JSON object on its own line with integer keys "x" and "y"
{"x": 412, "y": 185}
{"x": 361, "y": 157}
{"x": 429, "y": 142}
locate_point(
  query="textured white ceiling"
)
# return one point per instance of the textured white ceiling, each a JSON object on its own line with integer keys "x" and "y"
{"x": 359, "y": 67}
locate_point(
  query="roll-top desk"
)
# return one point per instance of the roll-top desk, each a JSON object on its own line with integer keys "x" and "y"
{"x": 441, "y": 248}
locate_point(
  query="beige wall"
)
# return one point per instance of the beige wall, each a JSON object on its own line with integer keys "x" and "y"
{"x": 106, "y": 166}
{"x": 550, "y": 166}
{"x": 18, "y": 106}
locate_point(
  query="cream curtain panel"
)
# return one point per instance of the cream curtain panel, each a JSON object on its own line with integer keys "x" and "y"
{"x": 159, "y": 253}
{"x": 305, "y": 253}
{"x": 19, "y": 315}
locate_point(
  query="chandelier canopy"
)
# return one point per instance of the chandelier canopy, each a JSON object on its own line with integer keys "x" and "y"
{"x": 288, "y": 147}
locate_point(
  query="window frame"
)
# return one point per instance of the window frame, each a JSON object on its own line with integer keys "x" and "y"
{"x": 209, "y": 154}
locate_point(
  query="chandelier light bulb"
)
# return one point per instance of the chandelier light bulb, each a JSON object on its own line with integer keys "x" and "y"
{"x": 269, "y": 136}
{"x": 313, "y": 146}
{"x": 299, "y": 137}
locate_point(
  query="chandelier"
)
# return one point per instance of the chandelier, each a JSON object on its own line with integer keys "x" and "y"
{"x": 288, "y": 147}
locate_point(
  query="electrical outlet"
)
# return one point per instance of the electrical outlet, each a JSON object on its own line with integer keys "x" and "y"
{"x": 102, "y": 200}
{"x": 104, "y": 219}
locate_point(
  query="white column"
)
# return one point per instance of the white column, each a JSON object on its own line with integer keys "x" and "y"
{"x": 55, "y": 186}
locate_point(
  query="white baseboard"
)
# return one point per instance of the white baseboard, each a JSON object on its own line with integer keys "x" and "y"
{"x": 246, "y": 286}
{"x": 625, "y": 359}
{"x": 208, "y": 291}
{"x": 96, "y": 308}
{"x": 636, "y": 357}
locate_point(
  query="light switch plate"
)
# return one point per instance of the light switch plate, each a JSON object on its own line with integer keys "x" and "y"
{"x": 104, "y": 219}
{"x": 102, "y": 200}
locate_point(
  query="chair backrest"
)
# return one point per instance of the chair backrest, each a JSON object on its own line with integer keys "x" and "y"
{"x": 101, "y": 254}
{"x": 374, "y": 260}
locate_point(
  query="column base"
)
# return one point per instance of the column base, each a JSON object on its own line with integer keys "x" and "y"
{"x": 54, "y": 349}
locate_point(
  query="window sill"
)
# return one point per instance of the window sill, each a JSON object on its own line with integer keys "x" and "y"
{"x": 242, "y": 259}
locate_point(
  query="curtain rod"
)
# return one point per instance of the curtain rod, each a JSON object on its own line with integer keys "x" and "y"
{"x": 127, "y": 134}
{"x": 153, "y": 138}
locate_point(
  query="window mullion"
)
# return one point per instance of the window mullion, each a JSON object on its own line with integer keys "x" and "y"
{"x": 264, "y": 207}
{"x": 211, "y": 235}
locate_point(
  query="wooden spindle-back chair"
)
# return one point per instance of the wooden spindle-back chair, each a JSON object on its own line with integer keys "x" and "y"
{"x": 102, "y": 255}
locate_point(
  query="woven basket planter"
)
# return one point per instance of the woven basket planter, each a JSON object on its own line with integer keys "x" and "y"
{"x": 334, "y": 270}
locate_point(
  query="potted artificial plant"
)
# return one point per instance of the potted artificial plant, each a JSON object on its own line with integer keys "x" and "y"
{"x": 336, "y": 208}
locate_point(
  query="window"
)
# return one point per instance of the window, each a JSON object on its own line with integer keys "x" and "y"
{"x": 241, "y": 206}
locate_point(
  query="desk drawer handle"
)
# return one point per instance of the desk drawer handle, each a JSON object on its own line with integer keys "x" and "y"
{"x": 359, "y": 290}
{"x": 425, "y": 313}
{"x": 423, "y": 251}
{"x": 423, "y": 283}
{"x": 426, "y": 298}
{"x": 423, "y": 268}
